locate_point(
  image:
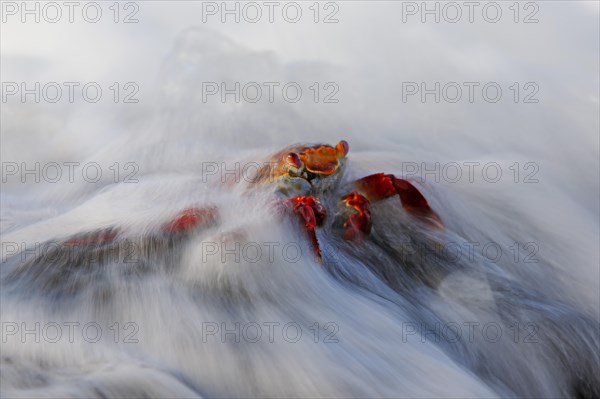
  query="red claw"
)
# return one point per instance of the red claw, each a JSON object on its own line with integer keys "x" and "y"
{"x": 380, "y": 186}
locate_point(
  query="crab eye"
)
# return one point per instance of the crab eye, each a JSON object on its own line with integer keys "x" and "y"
{"x": 342, "y": 148}
{"x": 294, "y": 160}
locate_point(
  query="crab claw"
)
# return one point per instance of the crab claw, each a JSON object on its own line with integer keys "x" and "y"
{"x": 312, "y": 213}
{"x": 380, "y": 186}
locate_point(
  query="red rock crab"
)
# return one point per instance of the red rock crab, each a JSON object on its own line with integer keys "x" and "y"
{"x": 302, "y": 176}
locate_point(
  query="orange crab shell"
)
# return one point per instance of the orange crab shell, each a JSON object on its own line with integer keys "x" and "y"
{"x": 296, "y": 160}
{"x": 320, "y": 159}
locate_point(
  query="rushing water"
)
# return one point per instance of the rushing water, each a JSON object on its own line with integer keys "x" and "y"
{"x": 503, "y": 301}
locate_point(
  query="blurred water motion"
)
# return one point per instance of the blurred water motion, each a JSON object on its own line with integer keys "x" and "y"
{"x": 504, "y": 303}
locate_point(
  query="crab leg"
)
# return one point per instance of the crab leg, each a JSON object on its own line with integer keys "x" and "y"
{"x": 184, "y": 221}
{"x": 357, "y": 216}
{"x": 377, "y": 187}
{"x": 96, "y": 237}
{"x": 189, "y": 219}
{"x": 312, "y": 213}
